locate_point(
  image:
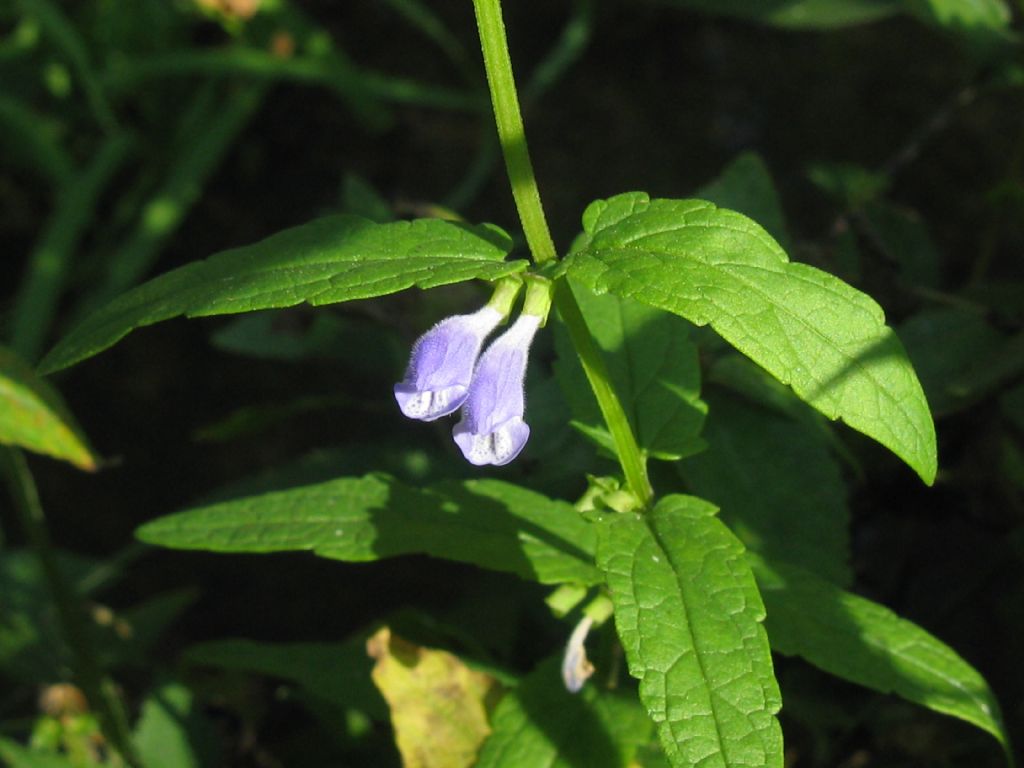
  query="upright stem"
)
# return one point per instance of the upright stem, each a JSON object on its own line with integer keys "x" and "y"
{"x": 524, "y": 189}
{"x": 510, "y": 129}
{"x": 630, "y": 458}
{"x": 99, "y": 690}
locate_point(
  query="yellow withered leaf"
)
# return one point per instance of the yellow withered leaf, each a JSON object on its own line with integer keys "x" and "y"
{"x": 440, "y": 708}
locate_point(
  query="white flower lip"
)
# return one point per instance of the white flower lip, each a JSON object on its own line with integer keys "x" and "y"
{"x": 492, "y": 430}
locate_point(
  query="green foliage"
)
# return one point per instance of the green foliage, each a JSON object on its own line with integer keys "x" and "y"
{"x": 33, "y": 416}
{"x": 688, "y": 613}
{"x": 336, "y": 258}
{"x": 864, "y": 642}
{"x": 485, "y": 522}
{"x": 338, "y": 673}
{"x": 16, "y": 756}
{"x": 540, "y": 723}
{"x": 810, "y": 330}
{"x": 812, "y": 14}
{"x": 168, "y": 725}
{"x": 782, "y": 494}
{"x": 653, "y": 367}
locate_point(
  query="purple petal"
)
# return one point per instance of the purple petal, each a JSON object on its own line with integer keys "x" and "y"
{"x": 441, "y": 366}
{"x": 492, "y": 430}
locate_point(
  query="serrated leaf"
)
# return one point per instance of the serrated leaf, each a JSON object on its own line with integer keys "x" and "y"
{"x": 439, "y": 706}
{"x": 654, "y": 369}
{"x": 488, "y": 523}
{"x": 333, "y": 259}
{"x": 540, "y": 723}
{"x": 810, "y": 330}
{"x": 777, "y": 484}
{"x": 33, "y": 416}
{"x": 335, "y": 672}
{"x": 688, "y": 614}
{"x": 866, "y": 643}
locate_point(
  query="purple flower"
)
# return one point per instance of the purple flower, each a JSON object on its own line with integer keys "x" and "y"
{"x": 437, "y": 380}
{"x": 492, "y": 430}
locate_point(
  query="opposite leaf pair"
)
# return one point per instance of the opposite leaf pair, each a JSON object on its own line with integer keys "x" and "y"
{"x": 447, "y": 372}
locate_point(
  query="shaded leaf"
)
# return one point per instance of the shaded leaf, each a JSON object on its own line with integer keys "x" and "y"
{"x": 168, "y": 728}
{"x": 540, "y": 723}
{"x": 688, "y": 614}
{"x": 654, "y": 369}
{"x": 778, "y": 486}
{"x": 16, "y": 756}
{"x": 333, "y": 259}
{"x": 33, "y": 416}
{"x": 746, "y": 186}
{"x": 866, "y": 643}
{"x": 334, "y": 672}
{"x": 811, "y": 14}
{"x": 439, "y": 706}
{"x": 948, "y": 348}
{"x": 828, "y": 341}
{"x": 485, "y": 522}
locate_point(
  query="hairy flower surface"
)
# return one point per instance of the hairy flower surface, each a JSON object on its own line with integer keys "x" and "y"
{"x": 440, "y": 370}
{"x": 492, "y": 430}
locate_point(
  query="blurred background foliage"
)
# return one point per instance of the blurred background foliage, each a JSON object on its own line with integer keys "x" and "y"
{"x": 882, "y": 140}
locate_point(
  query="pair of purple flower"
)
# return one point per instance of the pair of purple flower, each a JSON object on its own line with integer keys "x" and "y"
{"x": 447, "y": 372}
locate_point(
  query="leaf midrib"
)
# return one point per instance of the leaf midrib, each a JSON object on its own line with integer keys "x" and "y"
{"x": 681, "y": 591}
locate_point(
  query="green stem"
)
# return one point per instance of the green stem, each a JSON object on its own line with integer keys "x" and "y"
{"x": 630, "y": 458}
{"x": 99, "y": 689}
{"x": 531, "y": 213}
{"x": 510, "y": 129}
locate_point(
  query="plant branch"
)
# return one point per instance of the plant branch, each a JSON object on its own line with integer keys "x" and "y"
{"x": 99, "y": 689}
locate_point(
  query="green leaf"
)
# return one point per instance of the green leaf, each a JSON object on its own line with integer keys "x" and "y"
{"x": 654, "y": 369}
{"x": 984, "y": 23}
{"x": 746, "y": 186}
{"x": 488, "y": 523}
{"x": 167, "y": 728}
{"x": 688, "y": 613}
{"x": 947, "y": 346}
{"x": 14, "y": 755}
{"x": 333, "y": 259}
{"x": 810, "y": 330}
{"x": 540, "y": 723}
{"x": 334, "y": 672}
{"x": 866, "y": 643}
{"x": 811, "y": 14}
{"x": 778, "y": 486}
{"x": 33, "y": 416}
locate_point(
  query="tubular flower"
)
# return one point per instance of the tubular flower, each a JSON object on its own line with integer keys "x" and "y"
{"x": 492, "y": 430}
{"x": 440, "y": 369}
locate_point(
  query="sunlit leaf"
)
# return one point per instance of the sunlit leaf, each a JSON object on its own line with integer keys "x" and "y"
{"x": 828, "y": 341}
{"x": 489, "y": 523}
{"x": 688, "y": 614}
{"x": 333, "y": 259}
{"x": 33, "y": 416}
